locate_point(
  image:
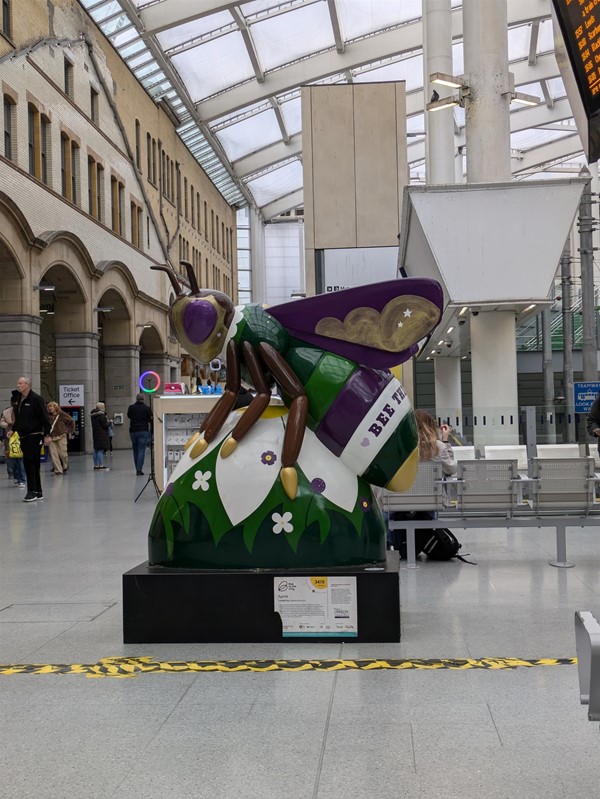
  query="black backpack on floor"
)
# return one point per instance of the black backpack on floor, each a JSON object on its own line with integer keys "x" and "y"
{"x": 440, "y": 544}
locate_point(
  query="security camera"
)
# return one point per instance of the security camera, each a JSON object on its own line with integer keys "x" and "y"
{"x": 448, "y": 344}
{"x": 462, "y": 322}
{"x": 475, "y": 313}
{"x": 438, "y": 352}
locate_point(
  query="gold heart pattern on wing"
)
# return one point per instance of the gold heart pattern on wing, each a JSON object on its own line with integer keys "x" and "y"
{"x": 403, "y": 321}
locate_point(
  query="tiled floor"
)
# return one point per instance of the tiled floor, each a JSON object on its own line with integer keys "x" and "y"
{"x": 410, "y": 733}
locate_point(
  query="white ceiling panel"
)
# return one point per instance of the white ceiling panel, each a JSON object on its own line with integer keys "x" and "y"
{"x": 231, "y": 75}
{"x": 277, "y": 183}
{"x": 363, "y": 17}
{"x": 194, "y": 31}
{"x": 292, "y": 115}
{"x": 250, "y": 134}
{"x": 287, "y": 37}
{"x": 214, "y": 66}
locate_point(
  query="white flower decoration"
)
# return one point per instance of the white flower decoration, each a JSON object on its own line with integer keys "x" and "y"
{"x": 282, "y": 522}
{"x": 201, "y": 480}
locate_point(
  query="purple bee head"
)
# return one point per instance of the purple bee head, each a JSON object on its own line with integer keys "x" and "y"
{"x": 199, "y": 320}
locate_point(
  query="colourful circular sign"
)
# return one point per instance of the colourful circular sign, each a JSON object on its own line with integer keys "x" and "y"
{"x": 149, "y": 390}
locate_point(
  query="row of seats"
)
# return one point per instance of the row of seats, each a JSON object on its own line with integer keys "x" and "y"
{"x": 493, "y": 487}
{"x": 518, "y": 452}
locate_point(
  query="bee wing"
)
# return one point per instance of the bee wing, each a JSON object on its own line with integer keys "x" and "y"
{"x": 377, "y": 325}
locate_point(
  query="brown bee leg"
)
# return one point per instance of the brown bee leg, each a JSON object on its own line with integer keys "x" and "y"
{"x": 256, "y": 408}
{"x": 223, "y": 407}
{"x": 298, "y": 413}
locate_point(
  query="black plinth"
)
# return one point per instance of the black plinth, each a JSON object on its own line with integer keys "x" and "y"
{"x": 163, "y": 605}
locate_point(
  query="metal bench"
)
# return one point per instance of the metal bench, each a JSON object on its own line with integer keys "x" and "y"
{"x": 491, "y": 494}
{"x": 563, "y": 486}
{"x": 558, "y": 451}
{"x": 587, "y": 643}
{"x": 503, "y": 452}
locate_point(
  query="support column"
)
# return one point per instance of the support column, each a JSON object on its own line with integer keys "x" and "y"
{"x": 77, "y": 363}
{"x": 587, "y": 223}
{"x": 487, "y": 122}
{"x": 441, "y": 169}
{"x": 439, "y": 125}
{"x": 494, "y": 375}
{"x": 19, "y": 352}
{"x": 487, "y": 128}
{"x": 121, "y": 375}
{"x": 448, "y": 391}
{"x": 162, "y": 364}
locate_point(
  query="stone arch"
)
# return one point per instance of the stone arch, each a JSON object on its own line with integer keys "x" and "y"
{"x": 103, "y": 267}
{"x": 150, "y": 339}
{"x": 72, "y": 246}
{"x": 16, "y": 243}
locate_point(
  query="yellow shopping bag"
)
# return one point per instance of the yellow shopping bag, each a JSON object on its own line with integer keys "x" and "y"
{"x": 14, "y": 446}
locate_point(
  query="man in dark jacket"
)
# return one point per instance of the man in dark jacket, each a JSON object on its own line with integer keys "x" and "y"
{"x": 140, "y": 425}
{"x": 593, "y": 420}
{"x": 33, "y": 426}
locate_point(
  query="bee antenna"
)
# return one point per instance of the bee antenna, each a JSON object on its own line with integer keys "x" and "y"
{"x": 191, "y": 276}
{"x": 174, "y": 282}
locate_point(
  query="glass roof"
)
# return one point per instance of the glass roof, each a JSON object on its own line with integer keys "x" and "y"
{"x": 231, "y": 74}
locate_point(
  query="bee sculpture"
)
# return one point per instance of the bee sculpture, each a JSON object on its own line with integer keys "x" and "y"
{"x": 329, "y": 357}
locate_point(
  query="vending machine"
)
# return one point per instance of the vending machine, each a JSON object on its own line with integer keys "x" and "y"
{"x": 77, "y": 442}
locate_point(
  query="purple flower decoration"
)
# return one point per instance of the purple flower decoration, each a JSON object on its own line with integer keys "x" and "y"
{"x": 318, "y": 485}
{"x": 365, "y": 504}
{"x": 268, "y": 458}
{"x": 169, "y": 489}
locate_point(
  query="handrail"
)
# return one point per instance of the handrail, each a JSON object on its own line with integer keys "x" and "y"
{"x": 587, "y": 644}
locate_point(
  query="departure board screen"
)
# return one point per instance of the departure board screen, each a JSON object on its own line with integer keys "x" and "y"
{"x": 579, "y": 21}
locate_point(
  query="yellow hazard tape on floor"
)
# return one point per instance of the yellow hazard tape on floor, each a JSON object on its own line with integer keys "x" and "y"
{"x": 132, "y": 667}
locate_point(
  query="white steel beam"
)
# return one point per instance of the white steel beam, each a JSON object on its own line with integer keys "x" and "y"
{"x": 256, "y": 162}
{"x": 391, "y": 43}
{"x": 169, "y": 13}
{"x": 283, "y": 204}
{"x": 537, "y": 157}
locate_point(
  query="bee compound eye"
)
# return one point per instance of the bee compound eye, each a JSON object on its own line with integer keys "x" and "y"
{"x": 199, "y": 320}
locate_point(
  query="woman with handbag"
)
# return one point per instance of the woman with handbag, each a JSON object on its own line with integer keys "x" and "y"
{"x": 61, "y": 428}
{"x": 100, "y": 434}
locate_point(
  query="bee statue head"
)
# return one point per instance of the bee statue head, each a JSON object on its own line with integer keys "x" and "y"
{"x": 200, "y": 319}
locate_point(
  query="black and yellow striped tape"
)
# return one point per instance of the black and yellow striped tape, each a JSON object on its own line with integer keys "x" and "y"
{"x": 132, "y": 667}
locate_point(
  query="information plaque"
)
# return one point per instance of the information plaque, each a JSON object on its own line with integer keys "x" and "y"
{"x": 313, "y": 607}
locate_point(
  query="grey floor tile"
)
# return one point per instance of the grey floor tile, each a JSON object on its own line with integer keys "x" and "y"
{"x": 462, "y": 734}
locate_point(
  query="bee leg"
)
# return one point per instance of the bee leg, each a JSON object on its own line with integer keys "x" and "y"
{"x": 256, "y": 407}
{"x": 223, "y": 407}
{"x": 298, "y": 413}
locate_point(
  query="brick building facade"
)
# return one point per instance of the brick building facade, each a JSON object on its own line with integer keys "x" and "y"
{"x": 95, "y": 187}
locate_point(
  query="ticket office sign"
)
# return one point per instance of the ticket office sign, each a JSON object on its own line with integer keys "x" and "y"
{"x": 316, "y": 607}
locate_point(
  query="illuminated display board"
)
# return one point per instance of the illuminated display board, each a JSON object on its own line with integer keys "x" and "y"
{"x": 577, "y": 50}
{"x": 579, "y": 21}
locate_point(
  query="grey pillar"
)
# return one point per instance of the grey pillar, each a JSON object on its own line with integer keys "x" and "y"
{"x": 587, "y": 224}
{"x": 161, "y": 363}
{"x": 77, "y": 363}
{"x": 121, "y": 375}
{"x": 19, "y": 352}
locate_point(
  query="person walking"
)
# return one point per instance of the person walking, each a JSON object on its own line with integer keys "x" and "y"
{"x": 14, "y": 466}
{"x": 33, "y": 426}
{"x": 140, "y": 426}
{"x": 61, "y": 428}
{"x": 99, "y": 434}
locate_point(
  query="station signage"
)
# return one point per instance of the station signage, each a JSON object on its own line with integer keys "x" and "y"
{"x": 71, "y": 394}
